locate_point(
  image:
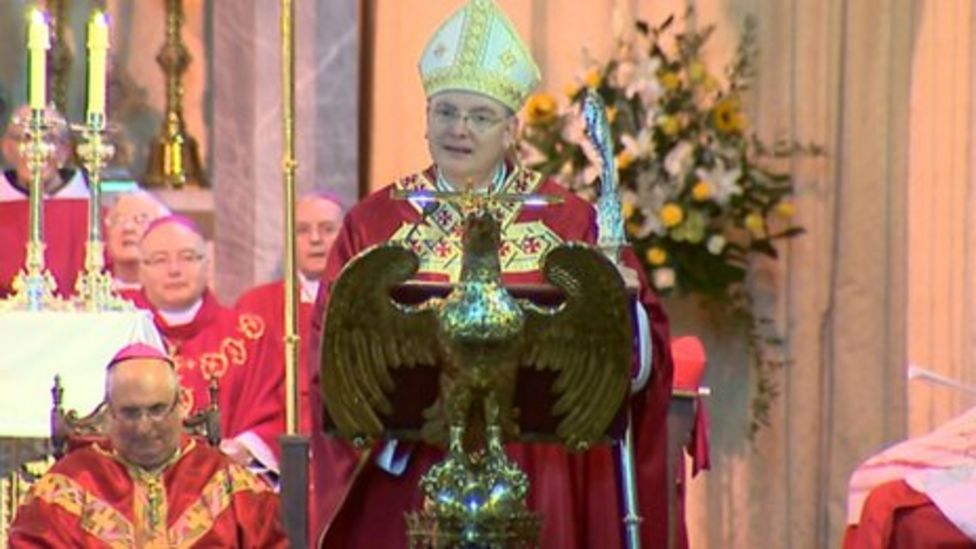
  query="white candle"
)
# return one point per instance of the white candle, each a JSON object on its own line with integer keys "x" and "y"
{"x": 38, "y": 42}
{"x": 97, "y": 53}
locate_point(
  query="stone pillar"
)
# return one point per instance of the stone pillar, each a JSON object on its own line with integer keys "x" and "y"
{"x": 247, "y": 127}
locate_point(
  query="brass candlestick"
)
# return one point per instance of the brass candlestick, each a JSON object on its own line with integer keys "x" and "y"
{"x": 94, "y": 286}
{"x": 34, "y": 288}
{"x": 174, "y": 160}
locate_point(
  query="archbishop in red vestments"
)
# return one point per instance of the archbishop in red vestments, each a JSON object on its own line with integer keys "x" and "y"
{"x": 93, "y": 498}
{"x": 576, "y": 493}
{"x": 235, "y": 349}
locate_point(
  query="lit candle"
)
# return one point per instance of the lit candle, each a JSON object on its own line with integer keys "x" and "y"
{"x": 38, "y": 42}
{"x": 97, "y": 50}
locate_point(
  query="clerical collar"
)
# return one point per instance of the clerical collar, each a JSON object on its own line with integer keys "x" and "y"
{"x": 182, "y": 317}
{"x": 72, "y": 185}
{"x": 497, "y": 181}
{"x": 310, "y": 288}
{"x": 120, "y": 285}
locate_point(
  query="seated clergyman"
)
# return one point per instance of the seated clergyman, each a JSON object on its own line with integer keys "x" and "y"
{"x": 149, "y": 484}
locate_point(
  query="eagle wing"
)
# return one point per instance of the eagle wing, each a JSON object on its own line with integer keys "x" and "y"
{"x": 367, "y": 334}
{"x": 587, "y": 339}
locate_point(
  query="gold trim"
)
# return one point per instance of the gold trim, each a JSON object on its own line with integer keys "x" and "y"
{"x": 438, "y": 245}
{"x": 95, "y": 516}
{"x": 215, "y": 498}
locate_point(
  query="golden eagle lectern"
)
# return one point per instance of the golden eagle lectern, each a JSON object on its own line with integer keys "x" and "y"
{"x": 479, "y": 336}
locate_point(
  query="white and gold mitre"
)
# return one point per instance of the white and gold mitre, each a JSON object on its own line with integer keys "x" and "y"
{"x": 477, "y": 49}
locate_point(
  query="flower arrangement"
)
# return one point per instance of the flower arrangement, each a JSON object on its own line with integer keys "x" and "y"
{"x": 699, "y": 196}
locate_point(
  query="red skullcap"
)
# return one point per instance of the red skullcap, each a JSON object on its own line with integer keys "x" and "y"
{"x": 138, "y": 350}
{"x": 326, "y": 195}
{"x": 178, "y": 219}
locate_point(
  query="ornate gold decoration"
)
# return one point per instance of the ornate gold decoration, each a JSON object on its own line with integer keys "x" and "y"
{"x": 478, "y": 49}
{"x": 104, "y": 522}
{"x": 438, "y": 242}
{"x": 289, "y": 166}
{"x": 34, "y": 288}
{"x": 174, "y": 160}
{"x": 611, "y": 238}
{"x": 14, "y": 488}
{"x": 93, "y": 289}
{"x": 479, "y": 335}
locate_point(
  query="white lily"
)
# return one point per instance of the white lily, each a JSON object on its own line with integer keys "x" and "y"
{"x": 723, "y": 183}
{"x": 641, "y": 146}
{"x": 679, "y": 159}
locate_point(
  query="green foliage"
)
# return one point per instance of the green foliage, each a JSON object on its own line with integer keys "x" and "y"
{"x": 701, "y": 194}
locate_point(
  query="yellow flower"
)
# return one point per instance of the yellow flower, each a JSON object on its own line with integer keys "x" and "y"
{"x": 786, "y": 209}
{"x": 708, "y": 83}
{"x": 727, "y": 116}
{"x": 593, "y": 79}
{"x": 540, "y": 109}
{"x": 670, "y": 80}
{"x": 626, "y": 209}
{"x": 624, "y": 159}
{"x": 571, "y": 90}
{"x": 755, "y": 224}
{"x": 702, "y": 191}
{"x": 656, "y": 256}
{"x": 696, "y": 71}
{"x": 671, "y": 215}
{"x": 670, "y": 125}
{"x": 611, "y": 114}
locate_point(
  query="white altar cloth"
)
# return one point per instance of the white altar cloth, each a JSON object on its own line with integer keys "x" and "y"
{"x": 36, "y": 346}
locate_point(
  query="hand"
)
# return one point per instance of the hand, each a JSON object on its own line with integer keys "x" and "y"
{"x": 236, "y": 451}
{"x": 631, "y": 280}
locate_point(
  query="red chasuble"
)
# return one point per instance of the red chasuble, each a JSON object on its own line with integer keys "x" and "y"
{"x": 235, "y": 349}
{"x": 268, "y": 301}
{"x": 65, "y": 233}
{"x": 92, "y": 498}
{"x": 577, "y": 493}
{"x": 896, "y": 516}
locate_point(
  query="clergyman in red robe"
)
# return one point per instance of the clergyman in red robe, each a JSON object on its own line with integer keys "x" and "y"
{"x": 148, "y": 484}
{"x": 208, "y": 341}
{"x": 472, "y": 100}
{"x": 318, "y": 216}
{"x": 65, "y": 205}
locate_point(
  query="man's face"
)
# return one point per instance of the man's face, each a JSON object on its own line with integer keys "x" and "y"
{"x": 173, "y": 266}
{"x": 317, "y": 222}
{"x": 14, "y": 135}
{"x": 468, "y": 134}
{"x": 11, "y": 152}
{"x": 145, "y": 422}
{"x": 125, "y": 223}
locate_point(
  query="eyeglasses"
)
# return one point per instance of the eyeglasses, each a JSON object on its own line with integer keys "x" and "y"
{"x": 139, "y": 220}
{"x": 183, "y": 258}
{"x": 321, "y": 229}
{"x": 156, "y": 412}
{"x": 479, "y": 122}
